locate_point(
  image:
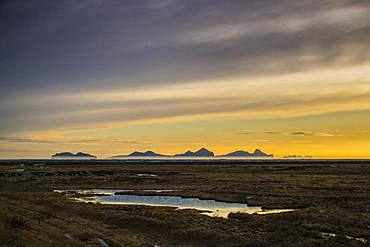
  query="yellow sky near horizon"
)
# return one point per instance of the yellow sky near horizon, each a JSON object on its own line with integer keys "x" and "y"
{"x": 281, "y": 138}
{"x": 327, "y": 116}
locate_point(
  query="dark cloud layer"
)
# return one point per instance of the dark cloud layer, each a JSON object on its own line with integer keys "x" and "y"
{"x": 75, "y": 45}
{"x": 63, "y": 47}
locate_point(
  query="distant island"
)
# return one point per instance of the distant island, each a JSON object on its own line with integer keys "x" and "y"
{"x": 69, "y": 155}
{"x": 242, "y": 153}
{"x": 203, "y": 152}
{"x": 200, "y": 153}
{"x": 140, "y": 154}
{"x": 239, "y": 153}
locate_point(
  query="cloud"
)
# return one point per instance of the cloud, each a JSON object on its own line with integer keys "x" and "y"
{"x": 23, "y": 140}
{"x": 77, "y": 65}
{"x": 302, "y": 133}
{"x": 66, "y": 140}
{"x": 262, "y": 133}
{"x": 282, "y": 21}
{"x": 141, "y": 43}
{"x": 272, "y": 132}
{"x": 188, "y": 100}
{"x": 295, "y": 133}
{"x": 323, "y": 134}
{"x": 360, "y": 131}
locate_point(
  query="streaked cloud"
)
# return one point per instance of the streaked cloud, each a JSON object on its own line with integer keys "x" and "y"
{"x": 340, "y": 89}
{"x": 131, "y": 43}
{"x": 262, "y": 133}
{"x": 295, "y": 133}
{"x": 23, "y": 140}
{"x": 300, "y": 133}
{"x": 69, "y": 67}
{"x": 65, "y": 140}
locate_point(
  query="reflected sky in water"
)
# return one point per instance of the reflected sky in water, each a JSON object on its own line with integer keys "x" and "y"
{"x": 210, "y": 207}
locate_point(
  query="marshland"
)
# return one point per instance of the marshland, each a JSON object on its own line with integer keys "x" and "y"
{"x": 328, "y": 203}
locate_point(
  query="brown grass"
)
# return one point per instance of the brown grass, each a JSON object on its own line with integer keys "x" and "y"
{"x": 331, "y": 198}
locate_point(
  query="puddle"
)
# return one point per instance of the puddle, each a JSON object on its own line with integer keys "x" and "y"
{"x": 68, "y": 236}
{"x": 147, "y": 175}
{"x": 39, "y": 164}
{"x": 274, "y": 211}
{"x": 333, "y": 235}
{"x": 103, "y": 242}
{"x": 107, "y": 192}
{"x": 96, "y": 192}
{"x": 208, "y": 207}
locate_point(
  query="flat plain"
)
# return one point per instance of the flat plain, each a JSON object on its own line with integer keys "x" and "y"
{"x": 331, "y": 201}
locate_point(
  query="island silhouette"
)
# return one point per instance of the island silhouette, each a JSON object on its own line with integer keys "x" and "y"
{"x": 69, "y": 155}
{"x": 141, "y": 154}
{"x": 203, "y": 152}
{"x": 200, "y": 153}
{"x": 242, "y": 153}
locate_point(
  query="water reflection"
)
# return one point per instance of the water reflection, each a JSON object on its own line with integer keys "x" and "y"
{"x": 208, "y": 207}
{"x": 147, "y": 175}
{"x": 333, "y": 235}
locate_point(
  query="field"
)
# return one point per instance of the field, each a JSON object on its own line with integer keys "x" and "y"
{"x": 331, "y": 198}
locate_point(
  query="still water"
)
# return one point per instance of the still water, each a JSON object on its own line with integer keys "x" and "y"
{"x": 207, "y": 207}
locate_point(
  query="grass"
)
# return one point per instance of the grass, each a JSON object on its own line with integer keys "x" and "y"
{"x": 16, "y": 222}
{"x": 330, "y": 198}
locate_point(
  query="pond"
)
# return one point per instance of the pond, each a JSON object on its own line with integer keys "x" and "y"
{"x": 207, "y": 207}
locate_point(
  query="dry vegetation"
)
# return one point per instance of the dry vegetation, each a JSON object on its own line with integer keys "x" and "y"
{"x": 330, "y": 198}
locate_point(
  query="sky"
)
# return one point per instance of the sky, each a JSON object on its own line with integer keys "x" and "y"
{"x": 110, "y": 77}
